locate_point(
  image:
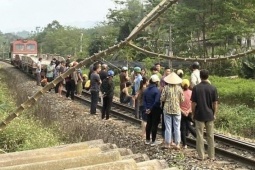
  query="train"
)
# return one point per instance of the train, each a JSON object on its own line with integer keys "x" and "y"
{"x": 24, "y": 55}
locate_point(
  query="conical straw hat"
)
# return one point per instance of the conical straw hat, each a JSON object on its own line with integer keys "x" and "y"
{"x": 173, "y": 78}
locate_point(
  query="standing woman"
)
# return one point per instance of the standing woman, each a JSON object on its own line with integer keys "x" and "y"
{"x": 142, "y": 113}
{"x": 143, "y": 72}
{"x": 107, "y": 89}
{"x": 152, "y": 109}
{"x": 79, "y": 82}
{"x": 72, "y": 83}
{"x": 62, "y": 69}
{"x": 172, "y": 96}
{"x": 186, "y": 113}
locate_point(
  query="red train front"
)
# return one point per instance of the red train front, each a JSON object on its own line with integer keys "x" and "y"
{"x": 21, "y": 48}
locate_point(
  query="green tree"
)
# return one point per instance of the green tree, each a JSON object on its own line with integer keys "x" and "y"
{"x": 127, "y": 17}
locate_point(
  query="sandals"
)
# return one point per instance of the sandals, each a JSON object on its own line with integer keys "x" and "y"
{"x": 177, "y": 147}
{"x": 165, "y": 147}
{"x": 198, "y": 158}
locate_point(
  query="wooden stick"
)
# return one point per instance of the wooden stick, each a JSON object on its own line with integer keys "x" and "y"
{"x": 162, "y": 3}
{"x": 158, "y": 10}
{"x": 192, "y": 59}
{"x": 32, "y": 100}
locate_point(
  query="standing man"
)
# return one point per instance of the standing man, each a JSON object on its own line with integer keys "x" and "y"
{"x": 95, "y": 83}
{"x": 38, "y": 72}
{"x": 166, "y": 73}
{"x": 195, "y": 75}
{"x": 50, "y": 72}
{"x": 158, "y": 67}
{"x": 123, "y": 80}
{"x": 155, "y": 71}
{"x": 103, "y": 73}
{"x": 68, "y": 60}
{"x": 204, "y": 109}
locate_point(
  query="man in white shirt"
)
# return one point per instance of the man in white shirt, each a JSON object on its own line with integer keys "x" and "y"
{"x": 38, "y": 72}
{"x": 195, "y": 75}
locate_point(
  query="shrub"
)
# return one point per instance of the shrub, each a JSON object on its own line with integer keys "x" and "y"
{"x": 235, "y": 91}
{"x": 238, "y": 120}
{"x": 24, "y": 132}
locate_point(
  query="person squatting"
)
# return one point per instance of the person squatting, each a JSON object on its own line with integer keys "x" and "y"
{"x": 74, "y": 83}
{"x": 165, "y": 98}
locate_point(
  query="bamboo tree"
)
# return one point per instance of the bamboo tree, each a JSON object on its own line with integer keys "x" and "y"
{"x": 32, "y": 100}
{"x": 191, "y": 59}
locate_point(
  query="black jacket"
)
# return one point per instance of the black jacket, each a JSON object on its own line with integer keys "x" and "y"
{"x": 107, "y": 87}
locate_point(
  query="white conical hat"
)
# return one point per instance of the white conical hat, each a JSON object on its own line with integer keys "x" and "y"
{"x": 173, "y": 78}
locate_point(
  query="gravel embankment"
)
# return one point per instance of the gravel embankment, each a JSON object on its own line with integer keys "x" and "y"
{"x": 75, "y": 124}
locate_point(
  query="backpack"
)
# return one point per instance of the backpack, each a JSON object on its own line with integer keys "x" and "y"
{"x": 87, "y": 85}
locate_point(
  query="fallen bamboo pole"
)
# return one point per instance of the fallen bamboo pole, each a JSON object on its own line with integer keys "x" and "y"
{"x": 32, "y": 100}
{"x": 192, "y": 59}
{"x": 160, "y": 5}
{"x": 152, "y": 16}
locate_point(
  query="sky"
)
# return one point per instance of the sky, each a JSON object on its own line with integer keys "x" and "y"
{"x": 19, "y": 15}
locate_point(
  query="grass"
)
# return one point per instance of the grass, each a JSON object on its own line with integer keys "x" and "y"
{"x": 237, "y": 101}
{"x": 237, "y": 120}
{"x": 235, "y": 91}
{"x": 25, "y": 132}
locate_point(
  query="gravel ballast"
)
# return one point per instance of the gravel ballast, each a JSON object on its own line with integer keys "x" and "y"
{"x": 75, "y": 125}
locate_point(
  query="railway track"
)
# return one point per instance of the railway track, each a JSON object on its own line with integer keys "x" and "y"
{"x": 124, "y": 112}
{"x": 223, "y": 142}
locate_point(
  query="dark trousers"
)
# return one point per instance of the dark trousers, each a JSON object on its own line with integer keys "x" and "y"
{"x": 107, "y": 104}
{"x": 50, "y": 79}
{"x": 153, "y": 120}
{"x": 142, "y": 114}
{"x": 136, "y": 109}
{"x": 70, "y": 88}
{"x": 122, "y": 97}
{"x": 163, "y": 126}
{"x": 57, "y": 87}
{"x": 185, "y": 126}
{"x": 94, "y": 101}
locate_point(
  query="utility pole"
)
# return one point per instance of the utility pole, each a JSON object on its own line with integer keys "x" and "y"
{"x": 2, "y": 51}
{"x": 81, "y": 42}
{"x": 41, "y": 46}
{"x": 170, "y": 48}
{"x": 3, "y": 48}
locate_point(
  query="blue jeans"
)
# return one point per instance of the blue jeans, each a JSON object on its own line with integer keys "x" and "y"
{"x": 176, "y": 119}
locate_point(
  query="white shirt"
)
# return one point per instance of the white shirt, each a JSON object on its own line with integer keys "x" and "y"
{"x": 39, "y": 67}
{"x": 195, "y": 78}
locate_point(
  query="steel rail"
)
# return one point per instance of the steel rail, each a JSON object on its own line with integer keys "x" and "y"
{"x": 218, "y": 137}
{"x": 191, "y": 142}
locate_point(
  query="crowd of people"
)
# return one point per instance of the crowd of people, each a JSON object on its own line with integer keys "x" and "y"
{"x": 169, "y": 98}
{"x": 75, "y": 82}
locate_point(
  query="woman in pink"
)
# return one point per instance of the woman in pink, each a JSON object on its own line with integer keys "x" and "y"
{"x": 186, "y": 112}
